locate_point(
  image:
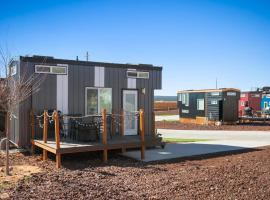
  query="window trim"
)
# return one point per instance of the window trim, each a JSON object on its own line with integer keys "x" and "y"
{"x": 214, "y": 102}
{"x": 183, "y": 98}
{"x": 12, "y": 69}
{"x": 215, "y": 93}
{"x": 179, "y": 98}
{"x": 51, "y": 66}
{"x": 187, "y": 99}
{"x": 137, "y": 74}
{"x": 232, "y": 94}
{"x": 198, "y": 100}
{"x": 98, "y": 103}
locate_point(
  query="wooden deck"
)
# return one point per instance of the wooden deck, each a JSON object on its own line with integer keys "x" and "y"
{"x": 76, "y": 147}
{"x": 59, "y": 147}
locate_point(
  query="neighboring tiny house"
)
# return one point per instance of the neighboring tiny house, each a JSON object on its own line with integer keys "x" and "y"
{"x": 265, "y": 102}
{"x": 250, "y": 99}
{"x": 206, "y": 106}
{"x": 80, "y": 88}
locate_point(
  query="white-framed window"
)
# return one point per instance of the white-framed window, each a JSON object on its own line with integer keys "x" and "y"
{"x": 47, "y": 69}
{"x": 231, "y": 93}
{"x": 242, "y": 103}
{"x": 200, "y": 104}
{"x": 183, "y": 98}
{"x": 97, "y": 99}
{"x": 187, "y": 99}
{"x": 185, "y": 111}
{"x": 214, "y": 93}
{"x": 243, "y": 95}
{"x": 214, "y": 102}
{"x": 137, "y": 74}
{"x": 12, "y": 70}
{"x": 179, "y": 97}
{"x": 255, "y": 95}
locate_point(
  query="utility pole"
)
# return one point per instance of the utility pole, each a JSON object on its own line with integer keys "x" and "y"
{"x": 87, "y": 55}
{"x": 216, "y": 84}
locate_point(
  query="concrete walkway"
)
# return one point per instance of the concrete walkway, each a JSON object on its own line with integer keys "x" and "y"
{"x": 219, "y": 141}
{"x": 166, "y": 117}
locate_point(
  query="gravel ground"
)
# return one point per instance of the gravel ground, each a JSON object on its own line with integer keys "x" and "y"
{"x": 260, "y": 126}
{"x": 239, "y": 176}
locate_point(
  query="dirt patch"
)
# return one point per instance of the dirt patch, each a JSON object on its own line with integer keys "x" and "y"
{"x": 260, "y": 126}
{"x": 239, "y": 176}
{"x": 17, "y": 172}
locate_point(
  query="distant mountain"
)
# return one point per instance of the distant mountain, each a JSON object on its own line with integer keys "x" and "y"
{"x": 165, "y": 98}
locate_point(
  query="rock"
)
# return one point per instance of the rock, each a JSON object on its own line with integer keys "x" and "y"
{"x": 4, "y": 196}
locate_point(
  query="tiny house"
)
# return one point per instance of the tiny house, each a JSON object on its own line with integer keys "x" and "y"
{"x": 208, "y": 106}
{"x": 265, "y": 102}
{"x": 250, "y": 99}
{"x": 84, "y": 88}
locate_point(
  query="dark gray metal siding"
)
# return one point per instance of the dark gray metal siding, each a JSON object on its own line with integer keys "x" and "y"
{"x": 79, "y": 77}
{"x": 230, "y": 107}
{"x": 213, "y": 109}
{"x": 192, "y": 107}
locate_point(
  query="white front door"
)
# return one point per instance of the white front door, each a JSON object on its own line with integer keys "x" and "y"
{"x": 130, "y": 106}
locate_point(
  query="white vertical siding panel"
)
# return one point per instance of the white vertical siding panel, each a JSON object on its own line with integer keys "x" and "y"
{"x": 65, "y": 94}
{"x": 99, "y": 77}
{"x": 59, "y": 92}
{"x": 62, "y": 93}
{"x": 96, "y": 77}
{"x": 102, "y": 77}
{"x": 131, "y": 83}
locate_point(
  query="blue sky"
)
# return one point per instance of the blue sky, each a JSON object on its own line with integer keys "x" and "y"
{"x": 195, "y": 41}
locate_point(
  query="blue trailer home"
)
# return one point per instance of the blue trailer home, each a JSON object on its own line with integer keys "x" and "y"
{"x": 265, "y": 103}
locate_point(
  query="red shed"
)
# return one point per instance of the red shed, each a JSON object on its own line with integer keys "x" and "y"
{"x": 251, "y": 99}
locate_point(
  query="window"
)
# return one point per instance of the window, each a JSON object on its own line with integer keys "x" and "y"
{"x": 242, "y": 103}
{"x": 214, "y": 102}
{"x": 231, "y": 93}
{"x": 185, "y": 98}
{"x": 58, "y": 70}
{"x": 98, "y": 99}
{"x": 200, "y": 104}
{"x": 214, "y": 93}
{"x": 255, "y": 95}
{"x": 144, "y": 75}
{"x": 243, "y": 95}
{"x": 46, "y": 69}
{"x": 179, "y": 97}
{"x": 137, "y": 74}
{"x": 12, "y": 70}
{"x": 185, "y": 111}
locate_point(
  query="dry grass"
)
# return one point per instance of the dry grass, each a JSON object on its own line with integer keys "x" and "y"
{"x": 18, "y": 172}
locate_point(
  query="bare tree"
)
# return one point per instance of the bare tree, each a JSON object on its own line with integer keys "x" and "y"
{"x": 15, "y": 87}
